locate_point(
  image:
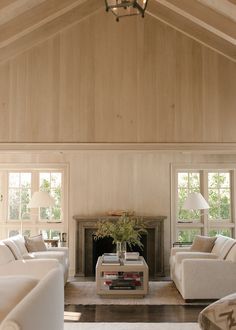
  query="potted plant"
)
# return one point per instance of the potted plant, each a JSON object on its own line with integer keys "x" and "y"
{"x": 126, "y": 230}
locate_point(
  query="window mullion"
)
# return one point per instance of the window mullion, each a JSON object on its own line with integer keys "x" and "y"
{"x": 34, "y": 213}
{"x": 233, "y": 196}
{"x": 204, "y": 191}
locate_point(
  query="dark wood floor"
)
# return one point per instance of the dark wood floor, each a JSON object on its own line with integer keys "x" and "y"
{"x": 139, "y": 313}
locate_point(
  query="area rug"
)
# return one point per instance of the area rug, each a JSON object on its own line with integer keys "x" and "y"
{"x": 160, "y": 293}
{"x": 131, "y": 326}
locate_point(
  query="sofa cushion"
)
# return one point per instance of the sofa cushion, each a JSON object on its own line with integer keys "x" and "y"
{"x": 12, "y": 290}
{"x": 219, "y": 315}
{"x": 35, "y": 243}
{"x": 219, "y": 242}
{"x": 226, "y": 248}
{"x": 231, "y": 256}
{"x": 13, "y": 247}
{"x": 6, "y": 255}
{"x": 203, "y": 243}
{"x": 20, "y": 243}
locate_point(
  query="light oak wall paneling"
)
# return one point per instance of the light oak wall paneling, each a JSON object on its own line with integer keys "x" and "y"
{"x": 211, "y": 95}
{"x": 76, "y": 116}
{"x": 50, "y": 28}
{"x": 133, "y": 81}
{"x": 33, "y": 18}
{"x": 188, "y": 121}
{"x": 211, "y": 19}
{"x": 20, "y": 115}
{"x": 115, "y": 78}
{"x": 4, "y": 102}
{"x": 5, "y": 3}
{"x": 35, "y": 76}
{"x": 164, "y": 12}
{"x": 227, "y": 101}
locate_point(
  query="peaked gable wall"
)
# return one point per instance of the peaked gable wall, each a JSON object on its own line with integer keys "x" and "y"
{"x": 132, "y": 81}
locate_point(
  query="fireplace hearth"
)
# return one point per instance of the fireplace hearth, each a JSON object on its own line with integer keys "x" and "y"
{"x": 88, "y": 249}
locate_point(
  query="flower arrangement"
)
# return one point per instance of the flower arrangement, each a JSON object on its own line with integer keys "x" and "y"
{"x": 126, "y": 229}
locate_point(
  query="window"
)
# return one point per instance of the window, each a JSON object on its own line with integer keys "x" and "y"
{"x": 51, "y": 182}
{"x": 19, "y": 192}
{"x": 17, "y": 186}
{"x": 188, "y": 182}
{"x": 216, "y": 185}
{"x": 219, "y": 192}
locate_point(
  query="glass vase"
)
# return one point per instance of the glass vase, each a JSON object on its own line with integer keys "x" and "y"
{"x": 120, "y": 250}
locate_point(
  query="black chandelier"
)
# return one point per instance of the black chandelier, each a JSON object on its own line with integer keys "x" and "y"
{"x": 122, "y": 8}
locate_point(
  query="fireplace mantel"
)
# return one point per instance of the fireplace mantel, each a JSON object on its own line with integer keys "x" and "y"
{"x": 86, "y": 225}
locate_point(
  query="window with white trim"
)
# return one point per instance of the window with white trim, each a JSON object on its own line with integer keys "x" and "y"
{"x": 16, "y": 188}
{"x": 217, "y": 185}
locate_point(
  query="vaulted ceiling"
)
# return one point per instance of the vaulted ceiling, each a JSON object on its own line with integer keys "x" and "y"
{"x": 23, "y": 23}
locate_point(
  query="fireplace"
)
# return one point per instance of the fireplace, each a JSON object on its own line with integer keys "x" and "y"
{"x": 88, "y": 250}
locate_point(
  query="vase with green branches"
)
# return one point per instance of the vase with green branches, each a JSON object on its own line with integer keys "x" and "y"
{"x": 125, "y": 230}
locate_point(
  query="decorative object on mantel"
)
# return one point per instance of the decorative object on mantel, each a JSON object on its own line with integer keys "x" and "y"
{"x": 125, "y": 230}
{"x": 123, "y": 8}
{"x": 120, "y": 212}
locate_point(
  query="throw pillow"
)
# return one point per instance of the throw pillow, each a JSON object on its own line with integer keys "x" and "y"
{"x": 35, "y": 243}
{"x": 202, "y": 244}
{"x": 219, "y": 315}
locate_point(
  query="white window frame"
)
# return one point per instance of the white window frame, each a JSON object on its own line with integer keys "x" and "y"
{"x": 204, "y": 225}
{"x": 33, "y": 224}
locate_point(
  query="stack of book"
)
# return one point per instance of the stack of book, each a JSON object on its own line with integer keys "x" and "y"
{"x": 131, "y": 255}
{"x": 110, "y": 259}
{"x": 122, "y": 280}
{"x": 122, "y": 284}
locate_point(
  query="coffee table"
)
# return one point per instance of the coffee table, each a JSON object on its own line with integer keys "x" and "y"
{"x": 122, "y": 280}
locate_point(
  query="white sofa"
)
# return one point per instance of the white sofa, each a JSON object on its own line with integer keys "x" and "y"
{"x": 17, "y": 245}
{"x": 205, "y": 275}
{"x": 32, "y": 293}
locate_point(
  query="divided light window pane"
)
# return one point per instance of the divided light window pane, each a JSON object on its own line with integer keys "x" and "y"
{"x": 52, "y": 183}
{"x": 19, "y": 192}
{"x": 187, "y": 235}
{"x": 188, "y": 182}
{"x": 219, "y": 196}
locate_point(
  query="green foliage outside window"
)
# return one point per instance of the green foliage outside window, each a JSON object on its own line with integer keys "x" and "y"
{"x": 19, "y": 195}
{"x": 219, "y": 199}
{"x": 225, "y": 232}
{"x": 219, "y": 196}
{"x": 187, "y": 235}
{"x": 51, "y": 182}
{"x": 187, "y": 183}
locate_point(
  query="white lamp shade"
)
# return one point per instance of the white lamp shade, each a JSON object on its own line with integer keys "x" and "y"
{"x": 195, "y": 201}
{"x": 41, "y": 199}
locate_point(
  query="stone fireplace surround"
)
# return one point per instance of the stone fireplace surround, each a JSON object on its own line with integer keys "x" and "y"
{"x": 153, "y": 248}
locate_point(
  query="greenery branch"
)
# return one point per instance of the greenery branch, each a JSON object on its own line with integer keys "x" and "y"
{"x": 126, "y": 229}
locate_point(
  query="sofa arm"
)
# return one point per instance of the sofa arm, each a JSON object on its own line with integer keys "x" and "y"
{"x": 61, "y": 249}
{"x": 180, "y": 256}
{"x": 41, "y": 308}
{"x": 174, "y": 250}
{"x": 35, "y": 268}
{"x": 207, "y": 278}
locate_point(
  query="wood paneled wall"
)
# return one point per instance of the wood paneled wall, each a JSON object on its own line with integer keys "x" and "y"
{"x": 138, "y": 80}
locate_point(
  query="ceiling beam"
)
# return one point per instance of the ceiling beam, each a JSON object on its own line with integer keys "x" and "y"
{"x": 33, "y": 18}
{"x": 5, "y": 3}
{"x": 16, "y": 8}
{"x": 205, "y": 16}
{"x": 82, "y": 10}
{"x": 177, "y": 18}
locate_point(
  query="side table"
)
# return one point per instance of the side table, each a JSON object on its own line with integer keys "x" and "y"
{"x": 113, "y": 280}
